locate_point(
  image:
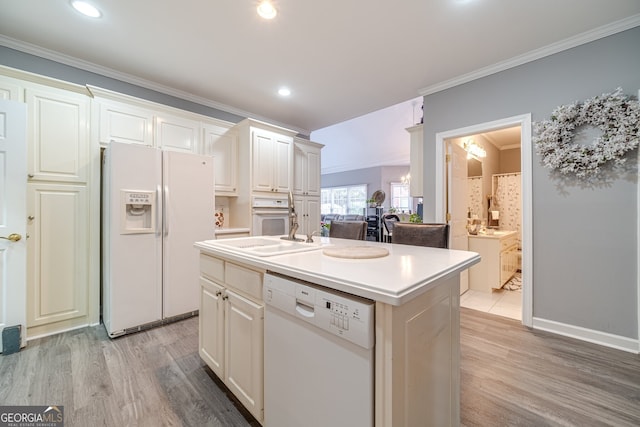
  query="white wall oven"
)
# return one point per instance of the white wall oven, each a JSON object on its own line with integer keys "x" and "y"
{"x": 270, "y": 216}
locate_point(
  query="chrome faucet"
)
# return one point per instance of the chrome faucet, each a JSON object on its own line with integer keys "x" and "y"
{"x": 293, "y": 221}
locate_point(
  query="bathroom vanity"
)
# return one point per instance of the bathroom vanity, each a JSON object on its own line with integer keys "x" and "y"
{"x": 499, "y": 253}
{"x": 415, "y": 291}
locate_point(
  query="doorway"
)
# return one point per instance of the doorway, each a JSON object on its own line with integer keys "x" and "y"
{"x": 443, "y": 170}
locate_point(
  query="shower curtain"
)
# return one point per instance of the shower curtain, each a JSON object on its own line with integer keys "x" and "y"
{"x": 507, "y": 191}
{"x": 474, "y": 189}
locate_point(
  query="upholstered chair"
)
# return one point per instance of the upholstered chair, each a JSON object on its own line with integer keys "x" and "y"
{"x": 432, "y": 235}
{"x": 356, "y": 230}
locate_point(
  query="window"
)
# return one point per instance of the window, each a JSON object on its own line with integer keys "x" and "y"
{"x": 400, "y": 198}
{"x": 343, "y": 200}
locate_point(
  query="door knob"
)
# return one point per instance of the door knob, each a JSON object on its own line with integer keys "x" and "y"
{"x": 14, "y": 237}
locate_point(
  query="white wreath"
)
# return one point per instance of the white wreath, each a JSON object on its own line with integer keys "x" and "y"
{"x": 614, "y": 114}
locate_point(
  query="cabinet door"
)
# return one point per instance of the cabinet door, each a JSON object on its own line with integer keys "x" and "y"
{"x": 244, "y": 351}
{"x": 308, "y": 210}
{"x": 313, "y": 215}
{"x": 211, "y": 319}
{"x": 177, "y": 133}
{"x": 271, "y": 161}
{"x": 299, "y": 170}
{"x": 123, "y": 123}
{"x": 262, "y": 161}
{"x": 312, "y": 172}
{"x": 300, "y": 206}
{"x": 283, "y": 167}
{"x": 57, "y": 255}
{"x": 58, "y": 135}
{"x": 10, "y": 89}
{"x": 222, "y": 144}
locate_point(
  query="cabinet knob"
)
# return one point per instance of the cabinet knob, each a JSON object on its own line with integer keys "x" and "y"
{"x": 226, "y": 297}
{"x": 31, "y": 217}
{"x": 30, "y": 175}
{"x": 218, "y": 293}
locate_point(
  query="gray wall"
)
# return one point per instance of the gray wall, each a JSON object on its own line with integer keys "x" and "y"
{"x": 26, "y": 62}
{"x": 584, "y": 236}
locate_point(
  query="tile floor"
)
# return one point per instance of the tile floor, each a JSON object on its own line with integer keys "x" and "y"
{"x": 500, "y": 302}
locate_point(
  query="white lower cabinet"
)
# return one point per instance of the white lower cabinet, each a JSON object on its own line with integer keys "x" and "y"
{"x": 211, "y": 334}
{"x": 231, "y": 329}
{"x": 244, "y": 326}
{"x": 499, "y": 260}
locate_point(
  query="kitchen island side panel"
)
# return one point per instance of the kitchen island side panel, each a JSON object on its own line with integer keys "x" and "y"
{"x": 417, "y": 379}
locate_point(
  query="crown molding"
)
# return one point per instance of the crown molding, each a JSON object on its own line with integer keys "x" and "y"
{"x": 134, "y": 80}
{"x": 571, "y": 42}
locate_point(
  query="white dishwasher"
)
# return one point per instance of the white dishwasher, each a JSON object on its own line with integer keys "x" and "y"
{"x": 318, "y": 356}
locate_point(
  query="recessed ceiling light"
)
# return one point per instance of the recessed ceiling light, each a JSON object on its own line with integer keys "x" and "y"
{"x": 267, "y": 10}
{"x": 283, "y": 91}
{"x": 86, "y": 9}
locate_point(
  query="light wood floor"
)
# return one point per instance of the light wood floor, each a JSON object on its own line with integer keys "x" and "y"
{"x": 514, "y": 376}
{"x": 510, "y": 376}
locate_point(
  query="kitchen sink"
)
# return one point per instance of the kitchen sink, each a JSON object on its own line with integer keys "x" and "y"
{"x": 267, "y": 245}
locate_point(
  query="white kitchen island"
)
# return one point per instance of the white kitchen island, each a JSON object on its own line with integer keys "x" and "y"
{"x": 416, "y": 294}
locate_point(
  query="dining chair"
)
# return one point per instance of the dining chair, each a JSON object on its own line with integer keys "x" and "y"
{"x": 423, "y": 234}
{"x": 356, "y": 230}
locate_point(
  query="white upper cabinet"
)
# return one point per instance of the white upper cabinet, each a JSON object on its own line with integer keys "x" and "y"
{"x": 306, "y": 166}
{"x": 271, "y": 161}
{"x": 131, "y": 120}
{"x": 222, "y": 143}
{"x": 125, "y": 123}
{"x": 177, "y": 133}
{"x": 58, "y": 128}
{"x": 10, "y": 89}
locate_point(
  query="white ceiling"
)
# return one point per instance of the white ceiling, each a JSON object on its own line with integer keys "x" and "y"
{"x": 341, "y": 59}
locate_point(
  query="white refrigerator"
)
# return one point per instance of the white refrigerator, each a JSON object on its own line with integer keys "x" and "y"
{"x": 155, "y": 205}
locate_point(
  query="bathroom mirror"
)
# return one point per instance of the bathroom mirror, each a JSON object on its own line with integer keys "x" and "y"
{"x": 474, "y": 167}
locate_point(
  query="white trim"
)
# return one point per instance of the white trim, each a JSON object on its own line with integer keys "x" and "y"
{"x": 56, "y": 332}
{"x": 134, "y": 80}
{"x": 526, "y": 167}
{"x": 597, "y": 337}
{"x": 638, "y": 239}
{"x": 571, "y": 42}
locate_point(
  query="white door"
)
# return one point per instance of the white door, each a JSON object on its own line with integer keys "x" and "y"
{"x": 457, "y": 203}
{"x": 13, "y": 206}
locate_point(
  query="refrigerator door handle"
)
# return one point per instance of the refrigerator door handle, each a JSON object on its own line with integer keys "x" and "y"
{"x": 165, "y": 205}
{"x": 159, "y": 212}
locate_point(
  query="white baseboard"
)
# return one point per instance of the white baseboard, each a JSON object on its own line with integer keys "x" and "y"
{"x": 48, "y": 334}
{"x": 597, "y": 337}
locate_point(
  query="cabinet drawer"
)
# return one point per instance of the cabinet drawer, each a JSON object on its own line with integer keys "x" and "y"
{"x": 244, "y": 280}
{"x": 212, "y": 268}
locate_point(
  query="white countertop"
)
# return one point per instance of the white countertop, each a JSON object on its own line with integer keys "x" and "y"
{"x": 406, "y": 272}
{"x": 498, "y": 234}
{"x": 225, "y": 230}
